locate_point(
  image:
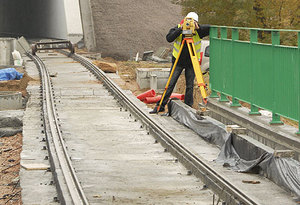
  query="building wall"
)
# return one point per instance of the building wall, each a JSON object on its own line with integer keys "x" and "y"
{"x": 37, "y": 19}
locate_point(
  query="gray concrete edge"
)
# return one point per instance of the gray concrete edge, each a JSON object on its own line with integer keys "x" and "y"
{"x": 276, "y": 137}
{"x": 87, "y": 24}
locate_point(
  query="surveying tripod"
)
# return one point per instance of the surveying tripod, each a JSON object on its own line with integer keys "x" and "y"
{"x": 198, "y": 74}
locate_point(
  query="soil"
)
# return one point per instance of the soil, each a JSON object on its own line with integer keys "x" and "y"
{"x": 17, "y": 85}
{"x": 10, "y": 149}
{"x": 123, "y": 28}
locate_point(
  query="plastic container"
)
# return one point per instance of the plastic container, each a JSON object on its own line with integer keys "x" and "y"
{"x": 16, "y": 55}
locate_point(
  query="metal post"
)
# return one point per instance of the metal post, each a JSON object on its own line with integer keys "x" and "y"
{"x": 275, "y": 41}
{"x": 253, "y": 40}
{"x": 213, "y": 37}
{"x": 235, "y": 37}
{"x": 298, "y": 133}
{"x": 223, "y": 97}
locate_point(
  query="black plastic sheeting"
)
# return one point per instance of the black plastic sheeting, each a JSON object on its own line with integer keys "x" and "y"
{"x": 285, "y": 172}
{"x": 10, "y": 123}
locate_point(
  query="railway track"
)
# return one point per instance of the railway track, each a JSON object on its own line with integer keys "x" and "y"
{"x": 69, "y": 189}
{"x": 66, "y": 170}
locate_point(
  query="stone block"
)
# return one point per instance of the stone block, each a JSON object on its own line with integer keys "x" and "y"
{"x": 153, "y": 81}
{"x": 144, "y": 74}
{"x": 10, "y": 100}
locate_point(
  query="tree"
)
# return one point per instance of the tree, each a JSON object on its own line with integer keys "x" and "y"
{"x": 283, "y": 14}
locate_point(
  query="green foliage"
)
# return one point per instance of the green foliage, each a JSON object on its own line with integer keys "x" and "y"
{"x": 216, "y": 12}
{"x": 279, "y": 14}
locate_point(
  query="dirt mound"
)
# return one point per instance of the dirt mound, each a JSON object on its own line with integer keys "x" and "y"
{"x": 106, "y": 67}
{"x": 16, "y": 85}
{"x": 123, "y": 28}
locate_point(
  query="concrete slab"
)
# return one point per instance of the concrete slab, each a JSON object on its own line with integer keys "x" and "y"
{"x": 10, "y": 100}
{"x": 32, "y": 181}
{"x": 106, "y": 144}
{"x": 7, "y": 46}
{"x": 143, "y": 76}
{"x": 118, "y": 162}
{"x": 22, "y": 45}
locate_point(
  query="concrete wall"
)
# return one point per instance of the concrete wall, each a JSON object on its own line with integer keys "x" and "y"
{"x": 40, "y": 18}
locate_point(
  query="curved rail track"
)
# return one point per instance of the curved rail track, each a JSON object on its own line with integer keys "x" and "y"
{"x": 217, "y": 183}
{"x": 68, "y": 186}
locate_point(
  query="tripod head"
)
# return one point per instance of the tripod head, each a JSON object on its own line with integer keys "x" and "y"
{"x": 188, "y": 27}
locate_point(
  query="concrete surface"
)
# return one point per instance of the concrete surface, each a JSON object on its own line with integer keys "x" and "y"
{"x": 114, "y": 158}
{"x": 33, "y": 18}
{"x": 41, "y": 19}
{"x": 87, "y": 24}
{"x": 22, "y": 45}
{"x": 278, "y": 137}
{"x": 73, "y": 20}
{"x": 208, "y": 153}
{"x": 118, "y": 162}
{"x": 143, "y": 77}
{"x": 7, "y": 45}
{"x": 10, "y": 100}
{"x": 37, "y": 187}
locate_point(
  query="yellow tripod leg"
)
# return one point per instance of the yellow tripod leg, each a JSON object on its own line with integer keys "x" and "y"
{"x": 171, "y": 74}
{"x": 197, "y": 69}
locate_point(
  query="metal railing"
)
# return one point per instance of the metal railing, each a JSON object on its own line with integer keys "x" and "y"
{"x": 264, "y": 75}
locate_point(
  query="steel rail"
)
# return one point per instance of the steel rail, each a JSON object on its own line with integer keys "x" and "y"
{"x": 226, "y": 191}
{"x": 67, "y": 184}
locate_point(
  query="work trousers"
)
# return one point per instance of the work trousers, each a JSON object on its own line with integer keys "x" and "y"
{"x": 189, "y": 82}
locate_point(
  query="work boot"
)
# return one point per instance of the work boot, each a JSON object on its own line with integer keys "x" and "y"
{"x": 154, "y": 111}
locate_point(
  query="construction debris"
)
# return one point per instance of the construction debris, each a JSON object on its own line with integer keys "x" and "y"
{"x": 106, "y": 67}
{"x": 162, "y": 55}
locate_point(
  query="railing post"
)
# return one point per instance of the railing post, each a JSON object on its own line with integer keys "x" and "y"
{"x": 275, "y": 41}
{"x": 213, "y": 35}
{"x": 235, "y": 37}
{"x": 223, "y": 97}
{"x": 298, "y": 133}
{"x": 253, "y": 39}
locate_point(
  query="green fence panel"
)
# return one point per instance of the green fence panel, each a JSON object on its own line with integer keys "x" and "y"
{"x": 262, "y": 79}
{"x": 263, "y": 75}
{"x": 243, "y": 70}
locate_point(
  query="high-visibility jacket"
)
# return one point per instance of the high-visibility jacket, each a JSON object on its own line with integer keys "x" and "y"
{"x": 178, "y": 41}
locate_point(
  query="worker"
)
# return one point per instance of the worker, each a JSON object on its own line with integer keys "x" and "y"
{"x": 184, "y": 62}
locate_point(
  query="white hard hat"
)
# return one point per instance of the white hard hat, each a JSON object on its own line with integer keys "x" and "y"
{"x": 192, "y": 15}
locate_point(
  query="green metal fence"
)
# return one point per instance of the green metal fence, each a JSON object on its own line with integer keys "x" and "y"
{"x": 263, "y": 75}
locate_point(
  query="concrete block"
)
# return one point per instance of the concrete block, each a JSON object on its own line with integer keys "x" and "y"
{"x": 10, "y": 100}
{"x": 236, "y": 129}
{"x": 7, "y": 45}
{"x": 143, "y": 77}
{"x": 162, "y": 52}
{"x": 153, "y": 82}
{"x": 147, "y": 55}
{"x": 248, "y": 148}
{"x": 22, "y": 45}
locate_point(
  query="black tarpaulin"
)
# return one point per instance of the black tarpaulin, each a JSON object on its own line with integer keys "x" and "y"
{"x": 283, "y": 171}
